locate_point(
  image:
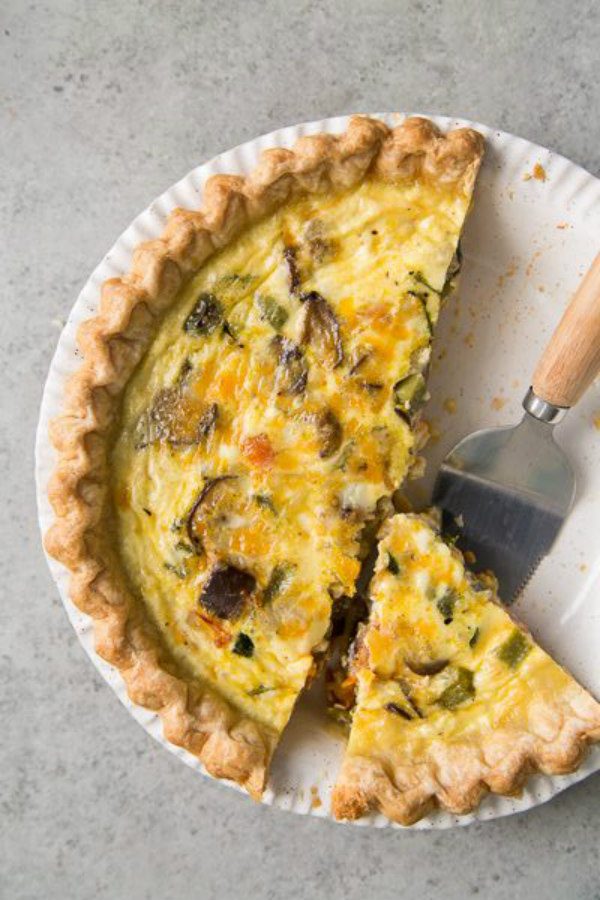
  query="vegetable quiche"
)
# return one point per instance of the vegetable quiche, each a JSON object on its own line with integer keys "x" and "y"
{"x": 453, "y": 697}
{"x": 247, "y": 403}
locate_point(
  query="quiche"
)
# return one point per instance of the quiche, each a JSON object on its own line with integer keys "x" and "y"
{"x": 454, "y": 698}
{"x": 246, "y": 406}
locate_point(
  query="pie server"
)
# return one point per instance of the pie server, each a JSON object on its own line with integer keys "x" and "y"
{"x": 506, "y": 492}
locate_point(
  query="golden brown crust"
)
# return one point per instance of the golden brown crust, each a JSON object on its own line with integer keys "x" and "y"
{"x": 455, "y": 777}
{"x": 229, "y": 744}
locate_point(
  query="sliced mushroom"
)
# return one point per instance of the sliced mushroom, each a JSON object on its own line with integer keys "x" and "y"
{"x": 430, "y": 667}
{"x": 227, "y": 591}
{"x": 185, "y": 371}
{"x": 406, "y": 690}
{"x": 291, "y": 261}
{"x": 292, "y": 369}
{"x": 371, "y": 387}
{"x": 319, "y": 247}
{"x": 279, "y": 578}
{"x": 329, "y": 432}
{"x": 321, "y": 328}
{"x": 359, "y": 358}
{"x": 207, "y": 421}
{"x": 203, "y": 507}
{"x": 398, "y": 711}
{"x": 176, "y": 418}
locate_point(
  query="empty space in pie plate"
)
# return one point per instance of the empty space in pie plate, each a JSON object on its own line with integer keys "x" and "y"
{"x": 527, "y": 242}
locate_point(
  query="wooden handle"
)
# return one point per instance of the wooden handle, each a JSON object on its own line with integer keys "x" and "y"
{"x": 571, "y": 360}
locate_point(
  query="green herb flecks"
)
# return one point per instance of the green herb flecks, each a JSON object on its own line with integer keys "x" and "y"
{"x": 393, "y": 565}
{"x": 236, "y": 280}
{"x": 244, "y": 645}
{"x": 420, "y": 279}
{"x": 514, "y": 649}
{"x": 178, "y": 571}
{"x": 184, "y": 547}
{"x": 398, "y": 711}
{"x": 205, "y": 317}
{"x": 474, "y": 638}
{"x": 424, "y": 296}
{"x": 261, "y": 689}
{"x": 270, "y": 311}
{"x": 405, "y": 687}
{"x": 231, "y": 330}
{"x": 410, "y": 394}
{"x": 410, "y": 713}
{"x": 462, "y": 690}
{"x": 266, "y": 502}
{"x": 278, "y": 580}
{"x": 446, "y": 605}
{"x": 184, "y": 372}
{"x": 344, "y": 456}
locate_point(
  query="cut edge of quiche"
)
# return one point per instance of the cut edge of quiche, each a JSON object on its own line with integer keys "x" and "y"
{"x": 229, "y": 741}
{"x": 454, "y": 698}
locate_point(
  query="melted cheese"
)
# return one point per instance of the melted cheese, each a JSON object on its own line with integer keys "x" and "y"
{"x": 429, "y": 614}
{"x": 309, "y": 464}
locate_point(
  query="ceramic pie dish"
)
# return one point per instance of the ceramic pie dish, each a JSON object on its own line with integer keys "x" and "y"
{"x": 215, "y": 303}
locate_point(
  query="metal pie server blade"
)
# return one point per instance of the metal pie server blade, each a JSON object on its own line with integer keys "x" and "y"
{"x": 506, "y": 492}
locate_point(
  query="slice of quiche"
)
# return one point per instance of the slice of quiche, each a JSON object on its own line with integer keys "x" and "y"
{"x": 249, "y": 399}
{"x": 454, "y": 698}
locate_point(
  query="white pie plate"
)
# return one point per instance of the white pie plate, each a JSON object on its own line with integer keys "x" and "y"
{"x": 526, "y": 245}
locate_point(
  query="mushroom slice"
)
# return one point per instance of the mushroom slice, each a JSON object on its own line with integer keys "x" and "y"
{"x": 205, "y": 508}
{"x": 329, "y": 432}
{"x": 176, "y": 418}
{"x": 227, "y": 591}
{"x": 359, "y": 357}
{"x": 290, "y": 255}
{"x": 429, "y": 667}
{"x": 319, "y": 247}
{"x": 292, "y": 369}
{"x": 321, "y": 329}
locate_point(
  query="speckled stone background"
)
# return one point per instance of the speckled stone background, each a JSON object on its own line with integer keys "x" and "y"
{"x": 102, "y": 106}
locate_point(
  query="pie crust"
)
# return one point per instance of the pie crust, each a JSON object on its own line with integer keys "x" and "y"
{"x": 229, "y": 744}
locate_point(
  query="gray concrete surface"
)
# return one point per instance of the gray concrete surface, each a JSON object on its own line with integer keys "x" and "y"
{"x": 103, "y": 105}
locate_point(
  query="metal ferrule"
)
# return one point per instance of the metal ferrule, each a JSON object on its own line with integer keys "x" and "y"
{"x": 542, "y": 410}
